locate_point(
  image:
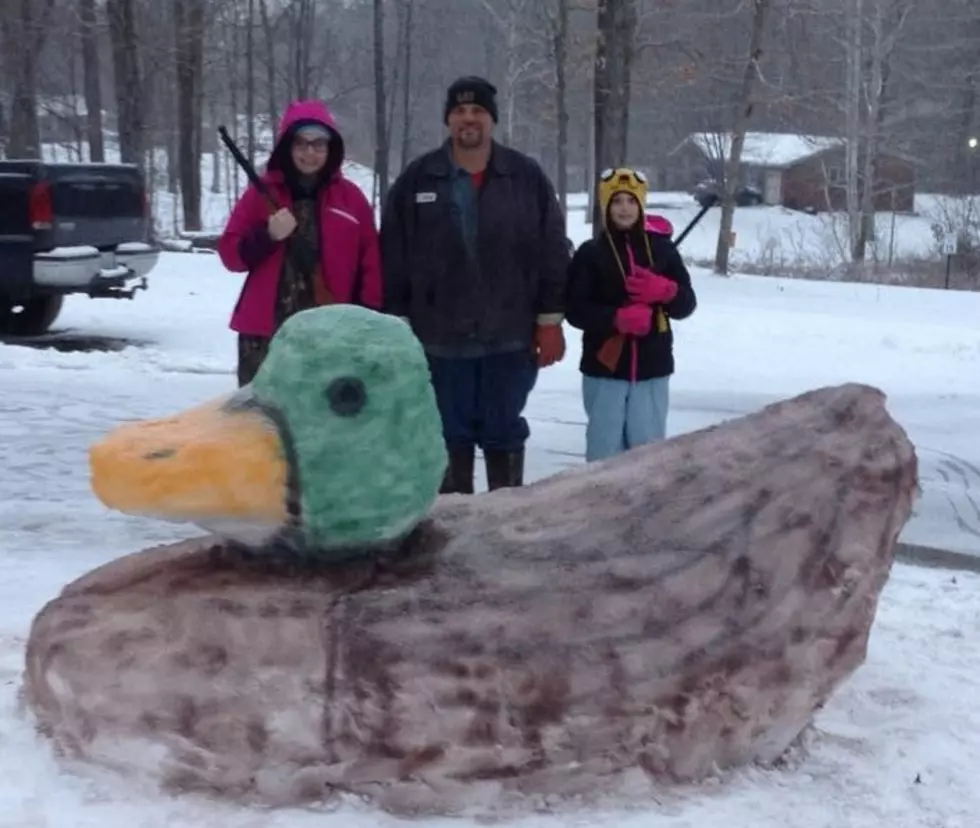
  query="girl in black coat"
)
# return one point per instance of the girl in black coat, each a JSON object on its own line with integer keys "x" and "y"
{"x": 624, "y": 287}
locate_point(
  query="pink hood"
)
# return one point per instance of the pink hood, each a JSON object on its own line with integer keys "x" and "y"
{"x": 659, "y": 225}
{"x": 300, "y": 113}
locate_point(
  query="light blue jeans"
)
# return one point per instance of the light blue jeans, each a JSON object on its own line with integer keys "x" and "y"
{"x": 622, "y": 415}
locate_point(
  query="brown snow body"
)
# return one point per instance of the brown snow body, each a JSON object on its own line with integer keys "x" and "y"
{"x": 681, "y": 608}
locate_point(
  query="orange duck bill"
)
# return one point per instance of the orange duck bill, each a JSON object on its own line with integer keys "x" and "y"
{"x": 220, "y": 466}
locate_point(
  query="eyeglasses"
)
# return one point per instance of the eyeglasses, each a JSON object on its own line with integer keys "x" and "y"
{"x": 315, "y": 144}
{"x": 624, "y": 175}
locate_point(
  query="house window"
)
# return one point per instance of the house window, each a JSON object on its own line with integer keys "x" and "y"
{"x": 835, "y": 175}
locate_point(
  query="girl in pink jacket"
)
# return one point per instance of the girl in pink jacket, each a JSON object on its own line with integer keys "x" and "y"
{"x": 319, "y": 247}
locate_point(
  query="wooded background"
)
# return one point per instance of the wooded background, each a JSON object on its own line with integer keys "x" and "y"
{"x": 582, "y": 83}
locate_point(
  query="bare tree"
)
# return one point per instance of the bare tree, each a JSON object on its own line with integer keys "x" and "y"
{"x": 381, "y": 144}
{"x": 560, "y": 39}
{"x": 615, "y": 31}
{"x": 130, "y": 114}
{"x": 760, "y": 14}
{"x": 270, "y": 62}
{"x": 304, "y": 20}
{"x": 92, "y": 79}
{"x": 510, "y": 18}
{"x": 250, "y": 82}
{"x": 556, "y": 15}
{"x": 189, "y": 37}
{"x": 564, "y": 68}
{"x": 855, "y": 19}
{"x": 23, "y": 25}
{"x": 887, "y": 21}
{"x": 406, "y": 36}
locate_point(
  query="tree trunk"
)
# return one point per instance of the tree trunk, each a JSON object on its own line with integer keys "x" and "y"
{"x": 590, "y": 161}
{"x": 380, "y": 112}
{"x": 23, "y": 29}
{"x": 78, "y": 146}
{"x": 198, "y": 27}
{"x": 855, "y": 15}
{"x": 966, "y": 157}
{"x": 91, "y": 80}
{"x": 407, "y": 37}
{"x": 250, "y": 83}
{"x": 511, "y": 78}
{"x": 25, "y": 134}
{"x": 393, "y": 79}
{"x": 874, "y": 89}
{"x": 189, "y": 35}
{"x": 303, "y": 47}
{"x": 561, "y": 101}
{"x": 215, "y": 148}
{"x": 270, "y": 64}
{"x": 232, "y": 75}
{"x": 169, "y": 126}
{"x": 128, "y": 80}
{"x": 628, "y": 30}
{"x": 614, "y": 49}
{"x": 173, "y": 152}
{"x": 885, "y": 27}
{"x": 760, "y": 14}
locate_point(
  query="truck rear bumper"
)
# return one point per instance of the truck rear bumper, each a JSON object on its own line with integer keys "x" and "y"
{"x": 87, "y": 270}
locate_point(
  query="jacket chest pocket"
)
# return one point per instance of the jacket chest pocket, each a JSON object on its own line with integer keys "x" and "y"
{"x": 433, "y": 222}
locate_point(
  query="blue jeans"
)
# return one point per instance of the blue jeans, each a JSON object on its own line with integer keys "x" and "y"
{"x": 481, "y": 399}
{"x": 622, "y": 415}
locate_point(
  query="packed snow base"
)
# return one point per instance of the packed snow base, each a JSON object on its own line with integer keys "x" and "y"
{"x": 896, "y": 746}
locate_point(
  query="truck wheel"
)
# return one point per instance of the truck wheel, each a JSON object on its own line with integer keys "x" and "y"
{"x": 32, "y": 318}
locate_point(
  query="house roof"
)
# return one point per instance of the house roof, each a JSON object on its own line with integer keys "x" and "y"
{"x": 765, "y": 149}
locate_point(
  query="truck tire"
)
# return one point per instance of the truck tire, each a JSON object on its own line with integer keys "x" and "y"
{"x": 32, "y": 318}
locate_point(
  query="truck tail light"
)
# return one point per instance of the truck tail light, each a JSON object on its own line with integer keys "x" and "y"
{"x": 40, "y": 210}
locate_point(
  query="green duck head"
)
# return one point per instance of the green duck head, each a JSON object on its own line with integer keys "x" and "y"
{"x": 335, "y": 446}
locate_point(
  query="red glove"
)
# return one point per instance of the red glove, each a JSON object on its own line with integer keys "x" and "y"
{"x": 634, "y": 320}
{"x": 549, "y": 344}
{"x": 649, "y": 288}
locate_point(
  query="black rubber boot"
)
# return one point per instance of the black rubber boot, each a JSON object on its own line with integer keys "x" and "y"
{"x": 505, "y": 469}
{"x": 459, "y": 474}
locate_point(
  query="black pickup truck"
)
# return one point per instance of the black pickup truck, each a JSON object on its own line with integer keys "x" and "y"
{"x": 69, "y": 228}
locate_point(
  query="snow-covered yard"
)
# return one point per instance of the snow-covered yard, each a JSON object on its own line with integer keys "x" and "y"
{"x": 775, "y": 240}
{"x": 898, "y": 746}
{"x": 767, "y": 239}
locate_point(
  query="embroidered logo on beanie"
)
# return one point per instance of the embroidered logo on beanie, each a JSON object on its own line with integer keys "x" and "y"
{"x": 471, "y": 90}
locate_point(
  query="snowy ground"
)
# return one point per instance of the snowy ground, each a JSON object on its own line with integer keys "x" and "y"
{"x": 898, "y": 746}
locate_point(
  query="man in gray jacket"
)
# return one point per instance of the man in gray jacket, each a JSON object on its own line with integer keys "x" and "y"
{"x": 474, "y": 257}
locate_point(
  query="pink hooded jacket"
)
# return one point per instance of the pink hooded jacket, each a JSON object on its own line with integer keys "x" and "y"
{"x": 349, "y": 254}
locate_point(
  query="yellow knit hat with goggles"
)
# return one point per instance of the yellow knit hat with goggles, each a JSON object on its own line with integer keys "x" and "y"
{"x": 621, "y": 180}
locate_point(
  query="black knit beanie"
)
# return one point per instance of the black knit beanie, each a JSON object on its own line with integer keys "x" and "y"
{"x": 471, "y": 90}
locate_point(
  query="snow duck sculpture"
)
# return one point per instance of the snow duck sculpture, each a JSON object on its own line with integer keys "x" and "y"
{"x": 334, "y": 449}
{"x": 682, "y": 607}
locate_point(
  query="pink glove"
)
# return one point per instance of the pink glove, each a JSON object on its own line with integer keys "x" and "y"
{"x": 634, "y": 320}
{"x": 650, "y": 288}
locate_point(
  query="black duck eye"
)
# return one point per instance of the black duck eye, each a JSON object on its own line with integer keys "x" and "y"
{"x": 347, "y": 396}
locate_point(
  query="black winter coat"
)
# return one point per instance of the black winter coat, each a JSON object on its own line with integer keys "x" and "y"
{"x": 596, "y": 290}
{"x": 521, "y": 266}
